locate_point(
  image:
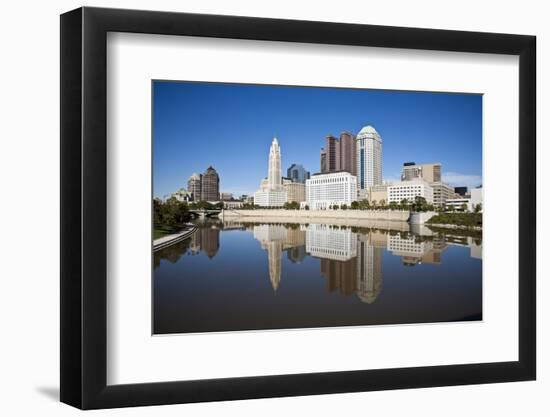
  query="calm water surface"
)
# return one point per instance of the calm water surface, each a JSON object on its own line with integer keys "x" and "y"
{"x": 235, "y": 276}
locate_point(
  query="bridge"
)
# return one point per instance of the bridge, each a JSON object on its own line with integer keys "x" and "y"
{"x": 205, "y": 213}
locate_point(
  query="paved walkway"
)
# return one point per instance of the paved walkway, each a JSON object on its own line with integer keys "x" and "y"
{"x": 165, "y": 241}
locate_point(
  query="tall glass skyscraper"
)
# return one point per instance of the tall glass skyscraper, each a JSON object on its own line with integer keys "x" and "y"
{"x": 297, "y": 173}
{"x": 369, "y": 159}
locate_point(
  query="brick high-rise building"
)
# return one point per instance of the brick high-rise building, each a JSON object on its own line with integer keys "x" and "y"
{"x": 210, "y": 187}
{"x": 339, "y": 154}
{"x": 348, "y": 153}
{"x": 332, "y": 148}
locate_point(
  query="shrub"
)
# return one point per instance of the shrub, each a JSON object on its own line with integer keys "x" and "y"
{"x": 459, "y": 219}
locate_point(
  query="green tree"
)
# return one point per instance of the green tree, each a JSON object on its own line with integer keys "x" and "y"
{"x": 419, "y": 204}
{"x": 344, "y": 207}
{"x": 170, "y": 214}
{"x": 354, "y": 205}
{"x": 157, "y": 211}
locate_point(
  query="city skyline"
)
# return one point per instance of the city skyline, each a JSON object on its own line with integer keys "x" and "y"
{"x": 230, "y": 126}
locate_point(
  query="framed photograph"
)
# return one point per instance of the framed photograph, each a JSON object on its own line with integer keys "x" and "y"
{"x": 257, "y": 208}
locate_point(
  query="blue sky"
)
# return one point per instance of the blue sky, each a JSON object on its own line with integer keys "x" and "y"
{"x": 230, "y": 126}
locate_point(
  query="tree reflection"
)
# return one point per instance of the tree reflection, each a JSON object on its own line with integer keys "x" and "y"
{"x": 350, "y": 257}
{"x": 206, "y": 240}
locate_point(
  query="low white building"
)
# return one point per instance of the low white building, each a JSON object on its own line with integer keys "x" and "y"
{"x": 182, "y": 195}
{"x": 442, "y": 193}
{"x": 232, "y": 204}
{"x": 270, "y": 198}
{"x": 332, "y": 189}
{"x": 476, "y": 197}
{"x": 409, "y": 190}
{"x": 459, "y": 204}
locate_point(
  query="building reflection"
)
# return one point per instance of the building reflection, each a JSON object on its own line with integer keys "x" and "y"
{"x": 369, "y": 266}
{"x": 331, "y": 242}
{"x": 474, "y": 243}
{"x": 296, "y": 254}
{"x": 416, "y": 249}
{"x": 351, "y": 262}
{"x": 360, "y": 274}
{"x": 274, "y": 238}
{"x": 351, "y": 258}
{"x": 207, "y": 240}
{"x": 340, "y": 275}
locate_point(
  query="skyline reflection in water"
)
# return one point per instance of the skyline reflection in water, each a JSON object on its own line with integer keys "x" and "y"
{"x": 235, "y": 276}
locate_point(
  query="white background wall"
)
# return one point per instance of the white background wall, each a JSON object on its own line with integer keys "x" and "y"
{"x": 29, "y": 220}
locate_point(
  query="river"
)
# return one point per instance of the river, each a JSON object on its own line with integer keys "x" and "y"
{"x": 232, "y": 276}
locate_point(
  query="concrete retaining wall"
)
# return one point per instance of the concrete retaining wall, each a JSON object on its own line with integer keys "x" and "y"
{"x": 384, "y": 215}
{"x": 421, "y": 218}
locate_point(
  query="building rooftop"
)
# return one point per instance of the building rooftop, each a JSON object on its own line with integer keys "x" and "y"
{"x": 414, "y": 164}
{"x": 332, "y": 172}
{"x": 411, "y": 181}
{"x": 368, "y": 129}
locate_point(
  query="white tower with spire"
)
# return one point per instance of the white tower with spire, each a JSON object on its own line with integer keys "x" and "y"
{"x": 271, "y": 192}
{"x": 274, "y": 178}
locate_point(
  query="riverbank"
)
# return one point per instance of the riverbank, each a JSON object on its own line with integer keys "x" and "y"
{"x": 454, "y": 227}
{"x": 168, "y": 240}
{"x": 312, "y": 216}
{"x": 360, "y": 223}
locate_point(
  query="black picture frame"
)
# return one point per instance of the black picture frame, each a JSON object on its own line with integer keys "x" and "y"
{"x": 84, "y": 207}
